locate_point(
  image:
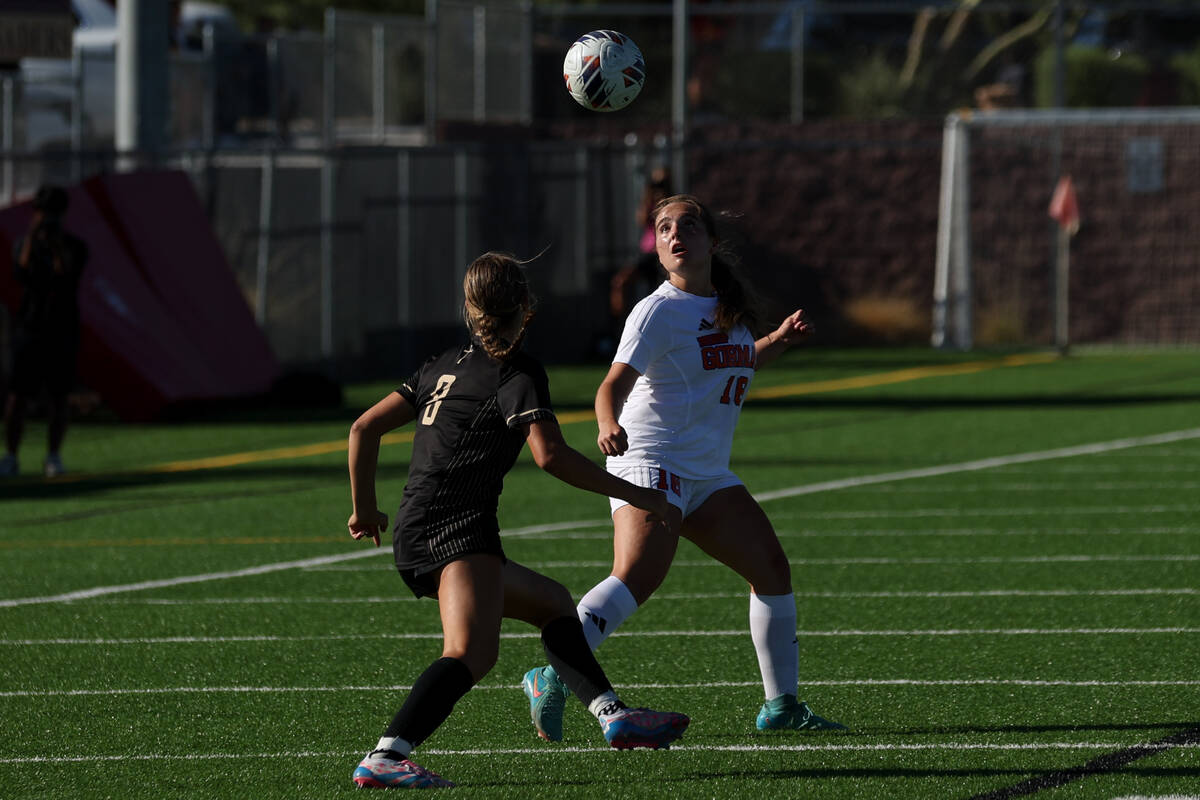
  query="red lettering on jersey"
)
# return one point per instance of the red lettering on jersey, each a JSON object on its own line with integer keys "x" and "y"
{"x": 712, "y": 338}
{"x": 728, "y": 356}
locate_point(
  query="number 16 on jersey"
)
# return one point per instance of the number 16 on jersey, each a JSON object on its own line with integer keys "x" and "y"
{"x": 735, "y": 390}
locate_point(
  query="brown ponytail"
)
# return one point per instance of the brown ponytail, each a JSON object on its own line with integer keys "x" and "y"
{"x": 498, "y": 304}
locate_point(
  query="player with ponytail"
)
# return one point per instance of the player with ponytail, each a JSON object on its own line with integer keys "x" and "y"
{"x": 475, "y": 407}
{"x": 666, "y": 414}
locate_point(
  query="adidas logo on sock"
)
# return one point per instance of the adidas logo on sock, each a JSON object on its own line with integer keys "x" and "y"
{"x": 600, "y": 622}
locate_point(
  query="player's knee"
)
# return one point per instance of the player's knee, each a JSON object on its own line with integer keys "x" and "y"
{"x": 478, "y": 656}
{"x": 643, "y": 582}
{"x": 773, "y": 573}
{"x": 559, "y": 603}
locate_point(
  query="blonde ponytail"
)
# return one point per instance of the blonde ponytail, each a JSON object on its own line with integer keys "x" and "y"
{"x": 498, "y": 304}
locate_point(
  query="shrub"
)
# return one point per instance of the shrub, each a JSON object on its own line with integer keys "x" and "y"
{"x": 1094, "y": 78}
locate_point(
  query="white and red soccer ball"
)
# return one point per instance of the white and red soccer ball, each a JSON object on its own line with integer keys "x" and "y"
{"x": 604, "y": 70}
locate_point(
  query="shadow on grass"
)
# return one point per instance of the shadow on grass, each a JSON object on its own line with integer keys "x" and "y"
{"x": 915, "y": 772}
{"x": 1077, "y": 728}
{"x": 714, "y": 775}
{"x": 194, "y": 486}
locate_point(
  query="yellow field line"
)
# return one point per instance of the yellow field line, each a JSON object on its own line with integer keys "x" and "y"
{"x": 246, "y": 540}
{"x": 791, "y": 390}
{"x": 899, "y": 376}
{"x": 274, "y": 454}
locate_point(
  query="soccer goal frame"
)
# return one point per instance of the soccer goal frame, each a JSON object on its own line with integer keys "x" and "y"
{"x": 1001, "y": 167}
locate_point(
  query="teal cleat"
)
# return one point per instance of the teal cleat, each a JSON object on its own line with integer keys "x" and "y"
{"x": 547, "y": 697}
{"x": 785, "y": 713}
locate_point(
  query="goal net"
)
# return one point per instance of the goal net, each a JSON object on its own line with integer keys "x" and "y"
{"x": 1132, "y": 269}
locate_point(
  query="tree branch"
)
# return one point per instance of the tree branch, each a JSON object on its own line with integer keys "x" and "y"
{"x": 1005, "y": 41}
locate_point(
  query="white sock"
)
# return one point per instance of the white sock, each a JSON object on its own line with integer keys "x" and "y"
{"x": 604, "y": 608}
{"x": 603, "y": 701}
{"x": 773, "y": 631}
{"x": 395, "y": 744}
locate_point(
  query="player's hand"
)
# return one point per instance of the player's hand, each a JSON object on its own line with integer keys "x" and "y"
{"x": 367, "y": 525}
{"x": 653, "y": 501}
{"x": 792, "y": 328}
{"x": 613, "y": 440}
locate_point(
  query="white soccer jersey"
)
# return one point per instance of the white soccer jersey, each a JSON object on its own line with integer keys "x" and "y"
{"x": 683, "y": 409}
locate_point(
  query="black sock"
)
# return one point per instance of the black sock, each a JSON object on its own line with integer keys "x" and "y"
{"x": 569, "y": 654}
{"x": 431, "y": 700}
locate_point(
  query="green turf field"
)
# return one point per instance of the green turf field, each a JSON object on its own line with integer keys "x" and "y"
{"x": 996, "y": 562}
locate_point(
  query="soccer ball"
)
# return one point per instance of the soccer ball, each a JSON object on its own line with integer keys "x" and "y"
{"x": 604, "y": 70}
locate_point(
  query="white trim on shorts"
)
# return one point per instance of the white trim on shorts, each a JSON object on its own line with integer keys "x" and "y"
{"x": 690, "y": 494}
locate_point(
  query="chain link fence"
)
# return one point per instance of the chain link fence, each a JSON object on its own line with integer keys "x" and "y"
{"x": 348, "y": 224}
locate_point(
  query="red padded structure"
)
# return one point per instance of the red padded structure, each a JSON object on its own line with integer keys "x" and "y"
{"x": 163, "y": 320}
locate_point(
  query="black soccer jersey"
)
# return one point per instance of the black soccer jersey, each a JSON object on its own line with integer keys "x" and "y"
{"x": 470, "y": 408}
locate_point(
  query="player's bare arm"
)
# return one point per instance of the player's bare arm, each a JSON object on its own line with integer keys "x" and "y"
{"x": 610, "y": 399}
{"x": 771, "y": 346}
{"x": 552, "y": 454}
{"x": 392, "y": 412}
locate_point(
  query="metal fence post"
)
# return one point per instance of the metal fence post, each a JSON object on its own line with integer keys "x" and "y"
{"x": 479, "y": 62}
{"x": 583, "y": 222}
{"x": 527, "y": 62}
{"x": 378, "y": 87}
{"x": 76, "y": 113}
{"x": 263, "y": 256}
{"x": 431, "y": 70}
{"x": 275, "y": 88}
{"x": 328, "y": 112}
{"x": 208, "y": 105}
{"x": 6, "y": 190}
{"x": 461, "y": 202}
{"x": 798, "y": 64}
{"x": 327, "y": 232}
{"x": 403, "y": 237}
{"x": 679, "y": 101}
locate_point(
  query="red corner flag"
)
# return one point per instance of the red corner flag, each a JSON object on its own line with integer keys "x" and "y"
{"x": 1064, "y": 207}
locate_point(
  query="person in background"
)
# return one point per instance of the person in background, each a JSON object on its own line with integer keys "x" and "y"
{"x": 634, "y": 280}
{"x": 666, "y": 414}
{"x": 475, "y": 407}
{"x": 47, "y": 264}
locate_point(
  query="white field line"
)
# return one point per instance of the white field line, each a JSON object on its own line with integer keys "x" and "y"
{"x": 897, "y": 533}
{"x": 1100, "y": 469}
{"x": 1095, "y": 448}
{"x": 1106, "y": 486}
{"x": 824, "y": 486}
{"x": 341, "y": 637}
{"x": 1060, "y": 511}
{"x": 863, "y": 561}
{"x": 605, "y": 534}
{"x": 98, "y": 591}
{"x": 571, "y": 750}
{"x": 861, "y": 682}
{"x": 885, "y": 560}
{"x": 400, "y": 598}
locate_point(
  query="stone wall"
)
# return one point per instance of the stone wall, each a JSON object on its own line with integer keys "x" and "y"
{"x": 825, "y": 215}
